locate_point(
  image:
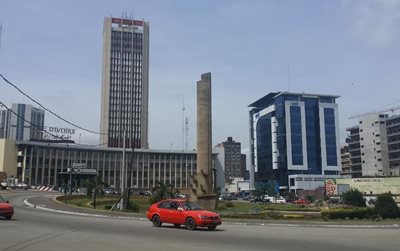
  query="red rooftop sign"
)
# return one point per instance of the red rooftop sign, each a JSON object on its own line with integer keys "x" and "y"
{"x": 126, "y": 21}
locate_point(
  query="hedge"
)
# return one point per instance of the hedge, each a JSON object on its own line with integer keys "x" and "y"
{"x": 343, "y": 213}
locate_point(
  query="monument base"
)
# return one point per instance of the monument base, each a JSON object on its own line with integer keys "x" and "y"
{"x": 208, "y": 201}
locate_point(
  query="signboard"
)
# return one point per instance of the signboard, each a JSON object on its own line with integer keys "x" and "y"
{"x": 369, "y": 185}
{"x": 60, "y": 132}
{"x": 330, "y": 186}
{"x": 342, "y": 188}
{"x": 243, "y": 185}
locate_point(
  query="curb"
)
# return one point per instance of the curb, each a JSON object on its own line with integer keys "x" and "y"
{"x": 313, "y": 225}
{"x": 26, "y": 202}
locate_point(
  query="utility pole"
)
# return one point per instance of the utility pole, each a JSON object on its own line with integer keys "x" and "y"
{"x": 122, "y": 182}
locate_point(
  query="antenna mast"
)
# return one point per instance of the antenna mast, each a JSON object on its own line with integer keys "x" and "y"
{"x": 1, "y": 28}
{"x": 187, "y": 132}
{"x": 183, "y": 121}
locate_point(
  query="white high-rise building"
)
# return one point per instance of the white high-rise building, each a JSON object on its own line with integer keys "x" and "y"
{"x": 125, "y": 87}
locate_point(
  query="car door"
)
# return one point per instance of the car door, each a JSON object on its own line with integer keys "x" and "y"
{"x": 164, "y": 211}
{"x": 175, "y": 214}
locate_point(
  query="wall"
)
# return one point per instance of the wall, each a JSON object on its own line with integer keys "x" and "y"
{"x": 8, "y": 157}
{"x": 371, "y": 185}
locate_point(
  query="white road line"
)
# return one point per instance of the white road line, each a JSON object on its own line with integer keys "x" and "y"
{"x": 80, "y": 214}
{"x": 233, "y": 223}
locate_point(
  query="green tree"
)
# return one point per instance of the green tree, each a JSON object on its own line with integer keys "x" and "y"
{"x": 163, "y": 191}
{"x": 96, "y": 184}
{"x": 354, "y": 198}
{"x": 386, "y": 206}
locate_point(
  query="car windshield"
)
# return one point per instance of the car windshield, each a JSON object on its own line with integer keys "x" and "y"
{"x": 191, "y": 206}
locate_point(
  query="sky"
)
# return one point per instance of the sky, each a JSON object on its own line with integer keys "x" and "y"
{"x": 52, "y": 50}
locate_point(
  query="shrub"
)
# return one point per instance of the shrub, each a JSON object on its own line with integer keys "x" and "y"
{"x": 229, "y": 204}
{"x": 133, "y": 206}
{"x": 107, "y": 207}
{"x": 354, "y": 198}
{"x": 275, "y": 215}
{"x": 343, "y": 213}
{"x": 386, "y": 207}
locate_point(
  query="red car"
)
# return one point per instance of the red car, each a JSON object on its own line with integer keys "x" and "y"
{"x": 301, "y": 202}
{"x": 6, "y": 210}
{"x": 182, "y": 212}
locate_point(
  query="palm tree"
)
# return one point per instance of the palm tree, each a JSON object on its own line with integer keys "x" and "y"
{"x": 163, "y": 191}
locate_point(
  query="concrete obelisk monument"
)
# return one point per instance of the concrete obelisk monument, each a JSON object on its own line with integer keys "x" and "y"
{"x": 202, "y": 182}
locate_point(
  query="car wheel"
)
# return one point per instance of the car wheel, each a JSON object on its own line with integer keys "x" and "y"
{"x": 190, "y": 224}
{"x": 177, "y": 225}
{"x": 212, "y": 227}
{"x": 156, "y": 221}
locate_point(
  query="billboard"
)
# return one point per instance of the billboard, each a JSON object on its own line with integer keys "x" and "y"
{"x": 330, "y": 186}
{"x": 369, "y": 185}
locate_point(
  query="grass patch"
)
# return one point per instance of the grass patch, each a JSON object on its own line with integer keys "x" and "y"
{"x": 104, "y": 202}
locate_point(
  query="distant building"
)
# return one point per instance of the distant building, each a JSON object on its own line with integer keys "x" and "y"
{"x": 232, "y": 158}
{"x": 374, "y": 146}
{"x": 345, "y": 156}
{"x": 294, "y": 140}
{"x": 4, "y": 123}
{"x": 22, "y": 122}
{"x": 125, "y": 88}
{"x": 243, "y": 166}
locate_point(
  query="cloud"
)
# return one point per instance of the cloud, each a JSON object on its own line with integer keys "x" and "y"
{"x": 377, "y": 22}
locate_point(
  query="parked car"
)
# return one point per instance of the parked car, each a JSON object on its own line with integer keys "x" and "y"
{"x": 260, "y": 200}
{"x": 6, "y": 209}
{"x": 182, "y": 212}
{"x": 280, "y": 200}
{"x": 301, "y": 202}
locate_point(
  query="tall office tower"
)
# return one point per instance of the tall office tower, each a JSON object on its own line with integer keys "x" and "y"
{"x": 232, "y": 157}
{"x": 28, "y": 125}
{"x": 294, "y": 140}
{"x": 125, "y": 87}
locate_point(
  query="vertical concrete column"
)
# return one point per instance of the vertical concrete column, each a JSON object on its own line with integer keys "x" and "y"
{"x": 204, "y": 136}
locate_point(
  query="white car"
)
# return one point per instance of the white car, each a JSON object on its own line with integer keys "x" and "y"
{"x": 280, "y": 200}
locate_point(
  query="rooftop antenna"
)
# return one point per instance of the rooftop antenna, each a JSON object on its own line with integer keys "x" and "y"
{"x": 186, "y": 132}
{"x": 1, "y": 28}
{"x": 288, "y": 69}
{"x": 183, "y": 121}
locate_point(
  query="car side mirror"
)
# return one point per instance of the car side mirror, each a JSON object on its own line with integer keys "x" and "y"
{"x": 180, "y": 209}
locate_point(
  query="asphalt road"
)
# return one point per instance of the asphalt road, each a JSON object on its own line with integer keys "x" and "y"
{"x": 37, "y": 229}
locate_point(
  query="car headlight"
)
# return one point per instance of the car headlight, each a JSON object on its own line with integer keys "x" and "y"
{"x": 203, "y": 217}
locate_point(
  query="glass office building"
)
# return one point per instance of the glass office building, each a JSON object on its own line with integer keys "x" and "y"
{"x": 294, "y": 140}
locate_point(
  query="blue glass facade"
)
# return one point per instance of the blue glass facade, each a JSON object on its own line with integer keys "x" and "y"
{"x": 312, "y": 135}
{"x": 264, "y": 146}
{"x": 20, "y": 122}
{"x": 330, "y": 137}
{"x": 303, "y": 112}
{"x": 296, "y": 136}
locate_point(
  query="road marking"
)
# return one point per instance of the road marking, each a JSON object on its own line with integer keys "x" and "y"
{"x": 80, "y": 214}
{"x": 233, "y": 223}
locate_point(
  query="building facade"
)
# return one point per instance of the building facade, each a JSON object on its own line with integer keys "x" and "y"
{"x": 125, "y": 83}
{"x": 393, "y": 140}
{"x": 22, "y": 122}
{"x": 374, "y": 146}
{"x": 38, "y": 163}
{"x": 232, "y": 158}
{"x": 294, "y": 140}
{"x": 345, "y": 157}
